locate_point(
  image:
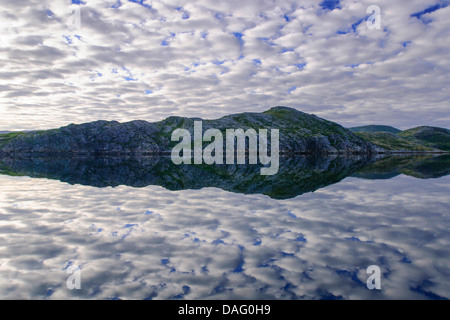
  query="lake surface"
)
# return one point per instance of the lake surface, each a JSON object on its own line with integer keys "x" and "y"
{"x": 147, "y": 229}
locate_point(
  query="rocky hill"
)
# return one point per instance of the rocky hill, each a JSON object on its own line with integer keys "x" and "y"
{"x": 299, "y": 133}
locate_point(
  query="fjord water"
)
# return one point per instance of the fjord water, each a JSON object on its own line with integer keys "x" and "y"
{"x": 143, "y": 228}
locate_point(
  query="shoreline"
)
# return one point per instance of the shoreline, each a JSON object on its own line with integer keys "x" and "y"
{"x": 168, "y": 154}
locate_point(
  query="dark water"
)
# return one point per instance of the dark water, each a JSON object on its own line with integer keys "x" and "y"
{"x": 143, "y": 228}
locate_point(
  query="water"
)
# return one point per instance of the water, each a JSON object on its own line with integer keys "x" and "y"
{"x": 145, "y": 229}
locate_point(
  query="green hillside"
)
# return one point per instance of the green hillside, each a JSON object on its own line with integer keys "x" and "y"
{"x": 375, "y": 128}
{"x": 433, "y": 137}
{"x": 393, "y": 142}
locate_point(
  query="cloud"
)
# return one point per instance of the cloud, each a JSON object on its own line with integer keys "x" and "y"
{"x": 198, "y": 59}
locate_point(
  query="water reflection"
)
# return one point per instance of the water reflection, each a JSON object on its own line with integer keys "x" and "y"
{"x": 297, "y": 175}
{"x": 203, "y": 242}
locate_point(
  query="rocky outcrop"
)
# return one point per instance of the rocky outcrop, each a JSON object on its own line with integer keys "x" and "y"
{"x": 299, "y": 133}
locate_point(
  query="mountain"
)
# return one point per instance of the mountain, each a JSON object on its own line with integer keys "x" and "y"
{"x": 375, "y": 128}
{"x": 432, "y": 137}
{"x": 299, "y": 133}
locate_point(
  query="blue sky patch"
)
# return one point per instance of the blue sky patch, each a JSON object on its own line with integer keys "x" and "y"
{"x": 68, "y": 39}
{"x": 219, "y": 16}
{"x": 186, "y": 290}
{"x": 117, "y": 5}
{"x": 238, "y": 36}
{"x": 185, "y": 15}
{"x": 353, "y": 27}
{"x": 301, "y": 239}
{"x": 142, "y": 3}
{"x": 218, "y": 241}
{"x": 239, "y": 268}
{"x": 357, "y": 23}
{"x": 267, "y": 41}
{"x": 419, "y": 15}
{"x": 356, "y": 239}
{"x": 330, "y": 4}
{"x": 405, "y": 260}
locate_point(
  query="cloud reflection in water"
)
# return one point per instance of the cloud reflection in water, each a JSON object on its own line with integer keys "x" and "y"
{"x": 152, "y": 243}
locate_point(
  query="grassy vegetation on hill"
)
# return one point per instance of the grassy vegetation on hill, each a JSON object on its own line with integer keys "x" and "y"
{"x": 375, "y": 128}
{"x": 433, "y": 137}
{"x": 393, "y": 142}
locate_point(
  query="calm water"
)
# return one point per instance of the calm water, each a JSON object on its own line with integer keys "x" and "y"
{"x": 145, "y": 229}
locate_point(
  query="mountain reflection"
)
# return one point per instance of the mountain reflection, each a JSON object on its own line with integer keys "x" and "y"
{"x": 297, "y": 175}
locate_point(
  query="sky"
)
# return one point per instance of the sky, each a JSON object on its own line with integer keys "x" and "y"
{"x": 75, "y": 61}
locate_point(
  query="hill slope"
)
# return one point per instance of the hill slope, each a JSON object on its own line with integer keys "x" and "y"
{"x": 299, "y": 133}
{"x": 375, "y": 128}
{"x": 393, "y": 142}
{"x": 432, "y": 137}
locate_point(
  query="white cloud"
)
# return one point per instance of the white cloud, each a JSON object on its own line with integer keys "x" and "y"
{"x": 210, "y": 59}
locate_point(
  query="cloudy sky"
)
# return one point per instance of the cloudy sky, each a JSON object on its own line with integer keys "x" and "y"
{"x": 77, "y": 61}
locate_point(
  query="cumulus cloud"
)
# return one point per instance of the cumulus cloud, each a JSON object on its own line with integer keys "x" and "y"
{"x": 149, "y": 60}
